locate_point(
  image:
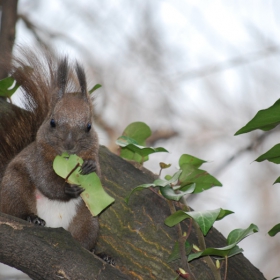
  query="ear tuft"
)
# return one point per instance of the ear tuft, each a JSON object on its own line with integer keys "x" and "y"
{"x": 82, "y": 78}
{"x": 62, "y": 75}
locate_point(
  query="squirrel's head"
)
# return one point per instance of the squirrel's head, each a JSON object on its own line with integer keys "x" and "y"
{"x": 68, "y": 127}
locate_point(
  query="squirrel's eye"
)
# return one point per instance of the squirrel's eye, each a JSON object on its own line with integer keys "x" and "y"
{"x": 52, "y": 123}
{"x": 88, "y": 127}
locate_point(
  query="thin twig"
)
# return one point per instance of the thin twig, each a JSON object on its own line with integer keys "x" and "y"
{"x": 236, "y": 61}
{"x": 201, "y": 243}
{"x": 255, "y": 142}
{"x": 181, "y": 240}
{"x": 77, "y": 165}
{"x": 226, "y": 267}
{"x": 189, "y": 229}
{"x": 202, "y": 246}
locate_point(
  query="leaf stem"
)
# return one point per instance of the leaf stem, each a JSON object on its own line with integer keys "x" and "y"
{"x": 181, "y": 241}
{"x": 201, "y": 242}
{"x": 226, "y": 267}
{"x": 202, "y": 246}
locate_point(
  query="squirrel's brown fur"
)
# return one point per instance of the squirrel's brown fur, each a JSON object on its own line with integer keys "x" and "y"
{"x": 58, "y": 118}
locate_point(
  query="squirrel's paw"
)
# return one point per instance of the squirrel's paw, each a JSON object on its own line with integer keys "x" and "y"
{"x": 73, "y": 190}
{"x": 88, "y": 166}
{"x": 34, "y": 219}
{"x": 108, "y": 259}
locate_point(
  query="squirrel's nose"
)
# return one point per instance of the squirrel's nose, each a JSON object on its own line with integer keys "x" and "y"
{"x": 69, "y": 142}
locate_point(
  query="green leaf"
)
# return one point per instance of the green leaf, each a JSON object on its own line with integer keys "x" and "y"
{"x": 129, "y": 143}
{"x": 202, "y": 179}
{"x": 185, "y": 158}
{"x": 130, "y": 155}
{"x": 171, "y": 181}
{"x": 139, "y": 188}
{"x": 227, "y": 251}
{"x": 273, "y": 155}
{"x": 167, "y": 177}
{"x": 231, "y": 249}
{"x": 138, "y": 131}
{"x": 134, "y": 148}
{"x": 97, "y": 86}
{"x": 274, "y": 230}
{"x": 6, "y": 89}
{"x": 94, "y": 196}
{"x": 277, "y": 181}
{"x": 156, "y": 183}
{"x": 64, "y": 164}
{"x": 205, "y": 219}
{"x": 265, "y": 119}
{"x": 237, "y": 235}
{"x": 175, "y": 254}
{"x": 169, "y": 193}
{"x": 133, "y": 143}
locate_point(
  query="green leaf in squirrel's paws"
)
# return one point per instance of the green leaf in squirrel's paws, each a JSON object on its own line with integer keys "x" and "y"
{"x": 94, "y": 196}
{"x": 63, "y": 165}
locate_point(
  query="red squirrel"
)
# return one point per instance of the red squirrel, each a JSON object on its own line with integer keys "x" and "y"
{"x": 58, "y": 118}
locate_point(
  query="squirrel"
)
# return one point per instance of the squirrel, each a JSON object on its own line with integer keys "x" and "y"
{"x": 58, "y": 118}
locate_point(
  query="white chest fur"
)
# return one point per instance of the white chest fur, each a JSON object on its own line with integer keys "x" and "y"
{"x": 56, "y": 213}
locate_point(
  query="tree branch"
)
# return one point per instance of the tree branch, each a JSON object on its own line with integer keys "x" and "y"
{"x": 47, "y": 253}
{"x": 8, "y": 30}
{"x": 134, "y": 235}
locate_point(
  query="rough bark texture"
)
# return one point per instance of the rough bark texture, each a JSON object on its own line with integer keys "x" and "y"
{"x": 46, "y": 253}
{"x": 134, "y": 235}
{"x": 7, "y": 34}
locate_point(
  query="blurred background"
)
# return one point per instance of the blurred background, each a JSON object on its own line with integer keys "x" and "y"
{"x": 195, "y": 72}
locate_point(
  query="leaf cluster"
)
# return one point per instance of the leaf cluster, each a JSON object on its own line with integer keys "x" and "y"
{"x": 266, "y": 119}
{"x": 133, "y": 143}
{"x": 189, "y": 179}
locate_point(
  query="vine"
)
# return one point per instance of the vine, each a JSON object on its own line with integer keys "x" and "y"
{"x": 189, "y": 179}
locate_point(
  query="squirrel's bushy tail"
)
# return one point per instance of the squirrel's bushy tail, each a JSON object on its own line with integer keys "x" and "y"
{"x": 37, "y": 75}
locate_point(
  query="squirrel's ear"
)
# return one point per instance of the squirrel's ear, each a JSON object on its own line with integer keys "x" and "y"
{"x": 82, "y": 79}
{"x": 62, "y": 75}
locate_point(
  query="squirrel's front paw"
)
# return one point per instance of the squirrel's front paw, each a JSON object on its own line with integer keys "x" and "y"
{"x": 108, "y": 259}
{"x": 88, "y": 166}
{"x": 73, "y": 190}
{"x": 34, "y": 219}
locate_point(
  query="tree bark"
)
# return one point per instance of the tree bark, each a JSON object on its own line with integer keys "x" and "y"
{"x": 8, "y": 31}
{"x": 46, "y": 253}
{"x": 134, "y": 235}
